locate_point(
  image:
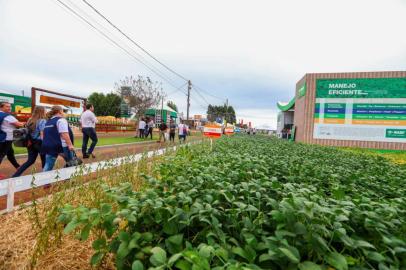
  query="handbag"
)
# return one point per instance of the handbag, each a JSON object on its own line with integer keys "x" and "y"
{"x": 21, "y": 137}
{"x": 75, "y": 161}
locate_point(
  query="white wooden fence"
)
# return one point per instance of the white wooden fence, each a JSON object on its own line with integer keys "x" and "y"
{"x": 10, "y": 186}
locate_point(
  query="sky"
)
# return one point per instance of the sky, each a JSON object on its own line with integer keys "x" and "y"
{"x": 249, "y": 52}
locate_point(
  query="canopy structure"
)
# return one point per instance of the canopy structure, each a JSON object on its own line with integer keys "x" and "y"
{"x": 283, "y": 106}
{"x": 165, "y": 113}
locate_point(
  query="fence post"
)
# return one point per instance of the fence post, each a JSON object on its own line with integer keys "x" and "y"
{"x": 10, "y": 194}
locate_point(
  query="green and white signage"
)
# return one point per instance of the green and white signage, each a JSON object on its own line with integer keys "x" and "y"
{"x": 361, "y": 109}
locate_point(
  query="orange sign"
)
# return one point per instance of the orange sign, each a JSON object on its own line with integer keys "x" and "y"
{"x": 59, "y": 101}
{"x": 212, "y": 131}
{"x": 229, "y": 130}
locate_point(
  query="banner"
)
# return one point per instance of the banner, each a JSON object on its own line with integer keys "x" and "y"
{"x": 212, "y": 131}
{"x": 361, "y": 109}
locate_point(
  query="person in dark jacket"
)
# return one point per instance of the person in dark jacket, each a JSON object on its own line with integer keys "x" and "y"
{"x": 58, "y": 138}
{"x": 172, "y": 130}
{"x": 35, "y": 125}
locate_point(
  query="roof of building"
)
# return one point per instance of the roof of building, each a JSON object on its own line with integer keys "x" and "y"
{"x": 283, "y": 106}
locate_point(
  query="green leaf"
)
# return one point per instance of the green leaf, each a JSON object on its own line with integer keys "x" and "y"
{"x": 123, "y": 250}
{"x": 99, "y": 243}
{"x": 376, "y": 256}
{"x": 85, "y": 232}
{"x": 176, "y": 239}
{"x": 174, "y": 258}
{"x": 309, "y": 266}
{"x": 337, "y": 260}
{"x": 106, "y": 208}
{"x": 183, "y": 265}
{"x": 206, "y": 251}
{"x": 137, "y": 265}
{"x": 265, "y": 257}
{"x": 71, "y": 226}
{"x": 124, "y": 236}
{"x": 96, "y": 258}
{"x": 292, "y": 253}
{"x": 158, "y": 257}
{"x": 239, "y": 251}
{"x": 363, "y": 244}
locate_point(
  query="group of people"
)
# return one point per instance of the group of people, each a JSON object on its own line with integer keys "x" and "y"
{"x": 49, "y": 135}
{"x": 146, "y": 126}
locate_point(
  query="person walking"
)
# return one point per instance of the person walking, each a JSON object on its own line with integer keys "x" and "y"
{"x": 182, "y": 131}
{"x": 141, "y": 127}
{"x": 172, "y": 130}
{"x": 88, "y": 122}
{"x": 163, "y": 127}
{"x": 35, "y": 125}
{"x": 8, "y": 124}
{"x": 58, "y": 138}
{"x": 150, "y": 127}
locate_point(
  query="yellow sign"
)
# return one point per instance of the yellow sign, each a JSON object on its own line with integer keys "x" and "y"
{"x": 58, "y": 101}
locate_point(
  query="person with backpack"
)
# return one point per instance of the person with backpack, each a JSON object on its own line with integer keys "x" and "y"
{"x": 58, "y": 138}
{"x": 35, "y": 125}
{"x": 183, "y": 131}
{"x": 8, "y": 124}
{"x": 163, "y": 127}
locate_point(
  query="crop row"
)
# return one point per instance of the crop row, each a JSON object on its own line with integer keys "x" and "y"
{"x": 254, "y": 203}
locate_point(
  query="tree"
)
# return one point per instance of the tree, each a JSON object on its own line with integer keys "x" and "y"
{"x": 223, "y": 112}
{"x": 172, "y": 105}
{"x": 105, "y": 105}
{"x": 140, "y": 93}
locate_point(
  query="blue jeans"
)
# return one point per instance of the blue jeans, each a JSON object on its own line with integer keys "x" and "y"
{"x": 88, "y": 133}
{"x": 51, "y": 159}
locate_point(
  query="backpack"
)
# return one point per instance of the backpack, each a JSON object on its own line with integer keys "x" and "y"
{"x": 21, "y": 137}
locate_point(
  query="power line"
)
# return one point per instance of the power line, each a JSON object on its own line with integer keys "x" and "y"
{"x": 205, "y": 100}
{"x": 135, "y": 43}
{"x": 179, "y": 89}
{"x": 199, "y": 88}
{"x": 145, "y": 51}
{"x": 114, "y": 42}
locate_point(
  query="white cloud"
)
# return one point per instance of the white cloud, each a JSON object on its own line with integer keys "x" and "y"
{"x": 221, "y": 45}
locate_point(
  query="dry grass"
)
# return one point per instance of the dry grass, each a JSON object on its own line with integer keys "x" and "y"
{"x": 19, "y": 239}
{"x": 31, "y": 239}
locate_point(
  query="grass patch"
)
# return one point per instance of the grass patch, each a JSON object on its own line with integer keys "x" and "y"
{"x": 396, "y": 156}
{"x": 101, "y": 142}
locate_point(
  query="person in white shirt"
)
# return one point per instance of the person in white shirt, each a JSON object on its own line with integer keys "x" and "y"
{"x": 141, "y": 128}
{"x": 8, "y": 124}
{"x": 151, "y": 125}
{"x": 183, "y": 130}
{"x": 88, "y": 122}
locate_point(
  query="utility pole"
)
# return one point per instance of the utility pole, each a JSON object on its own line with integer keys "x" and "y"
{"x": 226, "y": 110}
{"x": 189, "y": 87}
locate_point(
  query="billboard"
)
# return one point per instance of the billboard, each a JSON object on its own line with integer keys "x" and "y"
{"x": 19, "y": 104}
{"x": 367, "y": 109}
{"x": 71, "y": 104}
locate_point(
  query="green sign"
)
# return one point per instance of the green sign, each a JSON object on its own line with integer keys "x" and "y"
{"x": 361, "y": 88}
{"x": 396, "y": 133}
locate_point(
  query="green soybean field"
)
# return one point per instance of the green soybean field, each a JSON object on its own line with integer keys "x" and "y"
{"x": 252, "y": 203}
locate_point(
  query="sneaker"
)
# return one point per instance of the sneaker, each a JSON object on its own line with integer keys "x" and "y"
{"x": 85, "y": 156}
{"x": 93, "y": 156}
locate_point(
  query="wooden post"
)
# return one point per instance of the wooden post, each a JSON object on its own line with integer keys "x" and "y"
{"x": 10, "y": 194}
